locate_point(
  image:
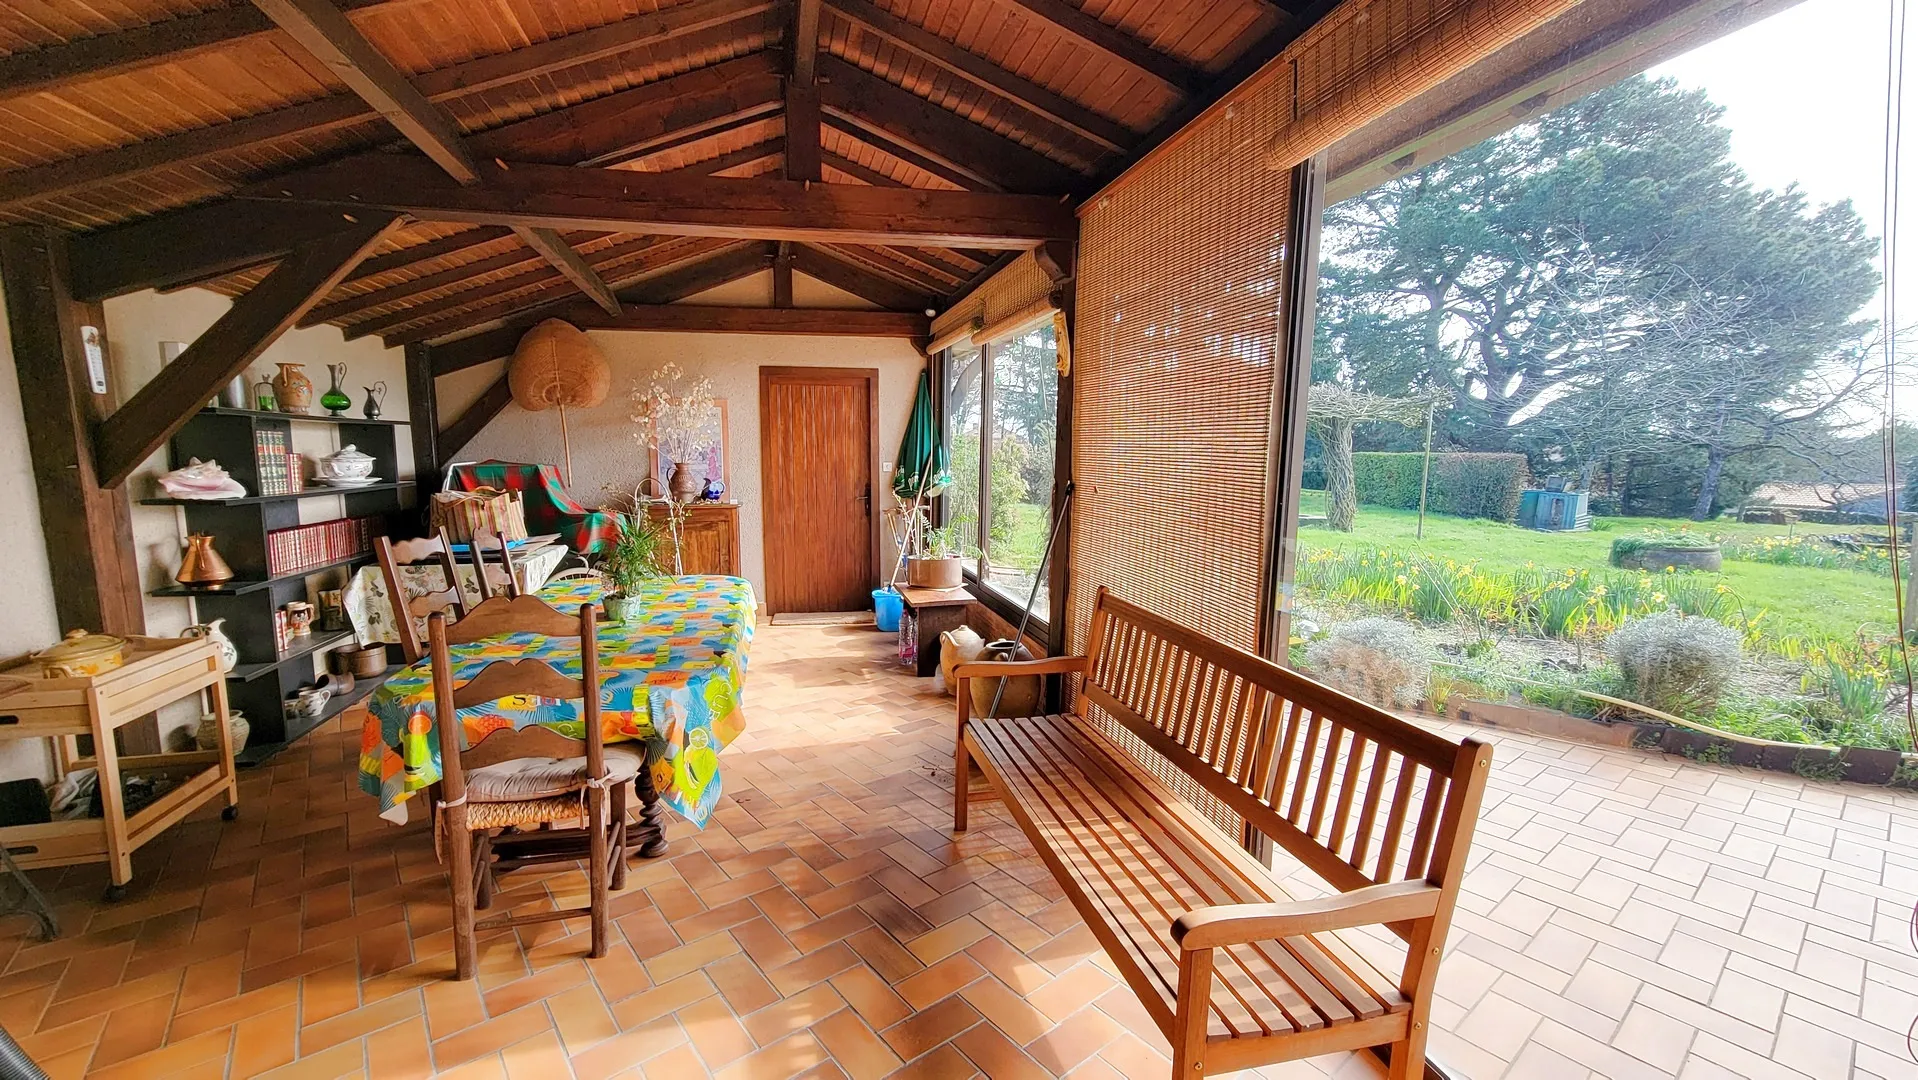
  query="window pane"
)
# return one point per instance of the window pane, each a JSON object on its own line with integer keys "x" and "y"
{"x": 962, "y": 441}
{"x": 1024, "y": 421}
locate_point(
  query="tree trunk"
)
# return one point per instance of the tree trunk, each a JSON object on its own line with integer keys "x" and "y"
{"x": 1341, "y": 498}
{"x": 1708, "y": 488}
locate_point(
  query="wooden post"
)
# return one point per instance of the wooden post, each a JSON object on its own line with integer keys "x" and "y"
{"x": 88, "y": 529}
{"x": 1425, "y": 471}
{"x": 423, "y": 410}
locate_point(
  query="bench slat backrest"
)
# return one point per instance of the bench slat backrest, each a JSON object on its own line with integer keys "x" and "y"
{"x": 1357, "y": 794}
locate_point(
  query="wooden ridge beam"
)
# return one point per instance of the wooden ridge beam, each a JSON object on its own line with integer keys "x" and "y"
{"x": 734, "y": 262}
{"x": 1079, "y": 119}
{"x": 871, "y": 103}
{"x": 145, "y": 422}
{"x": 323, "y": 31}
{"x": 802, "y": 93}
{"x": 829, "y": 267}
{"x": 620, "y": 200}
{"x": 344, "y": 110}
{"x": 1088, "y": 31}
{"x": 694, "y": 259}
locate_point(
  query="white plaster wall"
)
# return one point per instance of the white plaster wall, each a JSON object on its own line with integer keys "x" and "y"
{"x": 606, "y": 457}
{"x": 27, "y": 619}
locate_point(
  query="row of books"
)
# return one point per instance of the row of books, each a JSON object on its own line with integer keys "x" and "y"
{"x": 279, "y": 467}
{"x": 291, "y": 551}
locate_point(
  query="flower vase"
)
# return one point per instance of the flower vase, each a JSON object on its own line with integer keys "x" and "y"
{"x": 293, "y": 389}
{"x": 335, "y": 400}
{"x": 684, "y": 485}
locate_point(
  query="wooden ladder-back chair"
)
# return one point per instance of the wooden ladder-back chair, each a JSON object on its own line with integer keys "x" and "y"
{"x": 525, "y": 780}
{"x": 486, "y": 542}
{"x": 432, "y": 550}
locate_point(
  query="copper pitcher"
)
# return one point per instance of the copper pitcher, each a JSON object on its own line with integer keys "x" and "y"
{"x": 201, "y": 566}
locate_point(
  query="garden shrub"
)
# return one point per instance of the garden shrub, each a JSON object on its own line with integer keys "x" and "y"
{"x": 1463, "y": 485}
{"x": 1626, "y": 546}
{"x": 1674, "y": 662}
{"x": 1375, "y": 660}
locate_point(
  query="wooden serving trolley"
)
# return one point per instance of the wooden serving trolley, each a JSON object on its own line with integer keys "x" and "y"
{"x": 156, "y": 672}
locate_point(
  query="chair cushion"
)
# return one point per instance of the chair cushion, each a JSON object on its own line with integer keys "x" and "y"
{"x": 542, "y": 777}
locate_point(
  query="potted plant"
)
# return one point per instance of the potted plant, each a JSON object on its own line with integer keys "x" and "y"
{"x": 940, "y": 560}
{"x": 630, "y": 565}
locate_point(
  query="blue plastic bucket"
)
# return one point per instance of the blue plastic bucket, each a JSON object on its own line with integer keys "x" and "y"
{"x": 887, "y": 607}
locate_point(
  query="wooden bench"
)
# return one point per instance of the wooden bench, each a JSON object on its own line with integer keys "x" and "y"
{"x": 1236, "y": 972}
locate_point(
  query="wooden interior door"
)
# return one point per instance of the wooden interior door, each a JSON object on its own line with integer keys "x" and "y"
{"x": 819, "y": 466}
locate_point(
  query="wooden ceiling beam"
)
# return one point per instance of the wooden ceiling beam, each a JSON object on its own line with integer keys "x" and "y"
{"x": 1074, "y": 117}
{"x": 827, "y": 266}
{"x": 326, "y": 33}
{"x": 217, "y": 238}
{"x": 210, "y": 240}
{"x": 348, "y": 306}
{"x": 965, "y": 181}
{"x": 55, "y": 66}
{"x": 872, "y": 103}
{"x": 454, "y": 436}
{"x": 621, "y": 126}
{"x": 821, "y": 322}
{"x": 1111, "y": 41}
{"x": 745, "y": 155}
{"x": 344, "y": 110}
{"x": 648, "y": 260}
{"x": 874, "y": 262}
{"x": 532, "y": 277}
{"x": 693, "y": 276}
{"x": 144, "y": 423}
{"x": 783, "y": 275}
{"x": 620, "y": 200}
{"x": 802, "y": 93}
{"x": 453, "y": 244}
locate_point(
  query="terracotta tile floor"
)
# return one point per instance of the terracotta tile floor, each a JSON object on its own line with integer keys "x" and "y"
{"x": 1626, "y": 916}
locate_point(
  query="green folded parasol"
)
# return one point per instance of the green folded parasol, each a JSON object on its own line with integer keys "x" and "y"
{"x": 921, "y": 468}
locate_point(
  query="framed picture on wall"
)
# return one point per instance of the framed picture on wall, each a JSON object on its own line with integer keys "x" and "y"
{"x": 710, "y": 464}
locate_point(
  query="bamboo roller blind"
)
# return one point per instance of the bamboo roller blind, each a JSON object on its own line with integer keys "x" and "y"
{"x": 1178, "y": 300}
{"x": 1017, "y": 287}
{"x": 1178, "y": 338}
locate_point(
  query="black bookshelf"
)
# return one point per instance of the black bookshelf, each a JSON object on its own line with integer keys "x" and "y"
{"x": 267, "y": 677}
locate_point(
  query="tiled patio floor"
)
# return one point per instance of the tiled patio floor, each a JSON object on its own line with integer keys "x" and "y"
{"x": 1628, "y": 916}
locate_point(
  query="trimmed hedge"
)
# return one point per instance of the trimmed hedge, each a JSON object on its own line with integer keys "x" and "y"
{"x": 1463, "y": 485}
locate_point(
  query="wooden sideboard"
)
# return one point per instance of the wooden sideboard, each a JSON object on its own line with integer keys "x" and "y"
{"x": 709, "y": 539}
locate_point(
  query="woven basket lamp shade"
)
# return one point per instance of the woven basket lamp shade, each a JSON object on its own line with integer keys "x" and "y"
{"x": 557, "y": 365}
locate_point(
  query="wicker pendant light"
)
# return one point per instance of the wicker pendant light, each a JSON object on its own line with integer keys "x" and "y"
{"x": 556, "y": 364}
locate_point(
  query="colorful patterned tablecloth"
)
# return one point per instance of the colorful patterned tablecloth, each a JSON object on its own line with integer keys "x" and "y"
{"x": 673, "y": 678}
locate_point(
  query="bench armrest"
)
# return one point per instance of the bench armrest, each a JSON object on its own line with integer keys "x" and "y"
{"x": 1051, "y": 665}
{"x": 1234, "y": 924}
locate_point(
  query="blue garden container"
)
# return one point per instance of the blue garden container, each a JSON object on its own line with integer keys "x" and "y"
{"x": 887, "y": 607}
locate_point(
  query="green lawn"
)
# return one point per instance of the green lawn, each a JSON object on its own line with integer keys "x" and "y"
{"x": 1805, "y": 600}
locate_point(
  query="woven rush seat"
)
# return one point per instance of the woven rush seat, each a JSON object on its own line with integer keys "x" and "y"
{"x": 1145, "y": 857}
{"x": 542, "y": 778}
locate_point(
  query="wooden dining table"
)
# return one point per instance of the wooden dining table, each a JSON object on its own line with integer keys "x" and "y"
{"x": 673, "y": 678}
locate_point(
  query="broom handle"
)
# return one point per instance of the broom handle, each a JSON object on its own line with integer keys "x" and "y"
{"x": 1032, "y": 596}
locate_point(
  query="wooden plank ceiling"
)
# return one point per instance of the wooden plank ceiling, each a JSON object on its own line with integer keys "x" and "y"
{"x": 196, "y": 142}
